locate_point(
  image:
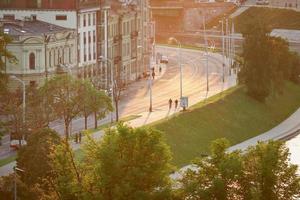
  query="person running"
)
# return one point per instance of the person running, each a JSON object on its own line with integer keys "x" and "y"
{"x": 170, "y": 103}
{"x": 176, "y": 104}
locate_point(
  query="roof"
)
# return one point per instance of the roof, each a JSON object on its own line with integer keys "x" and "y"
{"x": 289, "y": 35}
{"x": 30, "y": 27}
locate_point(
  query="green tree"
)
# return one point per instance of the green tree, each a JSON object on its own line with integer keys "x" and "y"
{"x": 256, "y": 70}
{"x": 35, "y": 160}
{"x": 217, "y": 177}
{"x": 93, "y": 101}
{"x": 69, "y": 183}
{"x": 5, "y": 57}
{"x": 295, "y": 67}
{"x": 36, "y": 109}
{"x": 63, "y": 99}
{"x": 267, "y": 173}
{"x": 128, "y": 163}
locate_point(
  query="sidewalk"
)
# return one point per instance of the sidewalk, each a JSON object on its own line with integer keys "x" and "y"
{"x": 146, "y": 117}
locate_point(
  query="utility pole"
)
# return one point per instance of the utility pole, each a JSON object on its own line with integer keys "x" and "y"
{"x": 223, "y": 56}
{"x": 206, "y": 50}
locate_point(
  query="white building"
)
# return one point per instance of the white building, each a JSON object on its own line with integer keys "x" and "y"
{"x": 42, "y": 49}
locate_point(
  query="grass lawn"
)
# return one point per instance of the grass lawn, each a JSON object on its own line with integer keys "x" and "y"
{"x": 274, "y": 17}
{"x": 236, "y": 117}
{"x": 7, "y": 160}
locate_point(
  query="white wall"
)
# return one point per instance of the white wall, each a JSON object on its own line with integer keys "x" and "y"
{"x": 46, "y": 16}
{"x": 88, "y": 28}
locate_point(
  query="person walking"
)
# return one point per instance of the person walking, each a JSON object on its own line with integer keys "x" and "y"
{"x": 170, "y": 104}
{"x": 176, "y": 103}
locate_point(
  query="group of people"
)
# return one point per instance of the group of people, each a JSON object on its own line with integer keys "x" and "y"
{"x": 175, "y": 102}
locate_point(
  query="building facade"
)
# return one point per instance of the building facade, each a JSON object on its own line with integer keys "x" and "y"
{"x": 115, "y": 29}
{"x": 125, "y": 39}
{"x": 285, "y": 3}
{"x": 42, "y": 50}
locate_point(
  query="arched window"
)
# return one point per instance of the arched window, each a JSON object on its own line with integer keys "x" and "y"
{"x": 31, "y": 61}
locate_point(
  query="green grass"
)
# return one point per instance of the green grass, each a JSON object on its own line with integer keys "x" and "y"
{"x": 274, "y": 17}
{"x": 236, "y": 117}
{"x": 7, "y": 160}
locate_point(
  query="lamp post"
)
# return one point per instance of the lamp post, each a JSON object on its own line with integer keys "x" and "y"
{"x": 111, "y": 79}
{"x": 179, "y": 61}
{"x": 206, "y": 50}
{"x": 15, "y": 180}
{"x": 223, "y": 56}
{"x": 24, "y": 100}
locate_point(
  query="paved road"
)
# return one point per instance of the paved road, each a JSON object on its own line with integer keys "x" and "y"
{"x": 194, "y": 86}
{"x": 136, "y": 98}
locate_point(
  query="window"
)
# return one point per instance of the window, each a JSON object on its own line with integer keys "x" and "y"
{"x": 94, "y": 36}
{"x": 31, "y": 61}
{"x": 32, "y": 83}
{"x": 33, "y": 17}
{"x": 84, "y": 20}
{"x": 84, "y": 38}
{"x": 50, "y": 57}
{"x": 61, "y": 17}
{"x": 9, "y": 17}
{"x": 89, "y": 36}
{"x": 89, "y": 19}
{"x": 94, "y": 19}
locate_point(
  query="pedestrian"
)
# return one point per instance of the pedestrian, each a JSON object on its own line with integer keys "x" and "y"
{"x": 80, "y": 135}
{"x": 76, "y": 138}
{"x": 170, "y": 104}
{"x": 176, "y": 104}
{"x": 153, "y": 74}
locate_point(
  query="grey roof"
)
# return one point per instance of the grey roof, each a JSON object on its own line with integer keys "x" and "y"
{"x": 289, "y": 35}
{"x": 30, "y": 27}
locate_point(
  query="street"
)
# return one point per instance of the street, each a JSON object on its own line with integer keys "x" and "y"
{"x": 135, "y": 99}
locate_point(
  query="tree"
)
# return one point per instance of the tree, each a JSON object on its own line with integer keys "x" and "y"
{"x": 128, "y": 163}
{"x": 68, "y": 183}
{"x": 12, "y": 108}
{"x": 5, "y": 57}
{"x": 35, "y": 160}
{"x": 267, "y": 61}
{"x": 63, "y": 98}
{"x": 267, "y": 173}
{"x": 93, "y": 101}
{"x": 36, "y": 109}
{"x": 256, "y": 71}
{"x": 295, "y": 67}
{"x": 262, "y": 172}
{"x": 217, "y": 177}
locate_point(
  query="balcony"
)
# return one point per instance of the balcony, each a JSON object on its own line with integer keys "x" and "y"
{"x": 134, "y": 34}
{"x": 117, "y": 59}
{"x": 117, "y": 38}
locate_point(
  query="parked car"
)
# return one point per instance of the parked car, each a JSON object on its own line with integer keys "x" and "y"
{"x": 262, "y": 2}
{"x": 15, "y": 144}
{"x": 164, "y": 59}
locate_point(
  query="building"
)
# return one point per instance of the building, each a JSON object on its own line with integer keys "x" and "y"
{"x": 285, "y": 3}
{"x": 42, "y": 49}
{"x": 80, "y": 15}
{"x": 115, "y": 29}
{"x": 126, "y": 35}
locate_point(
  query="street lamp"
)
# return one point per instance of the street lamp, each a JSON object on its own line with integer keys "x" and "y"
{"x": 179, "y": 60}
{"x": 223, "y": 56}
{"x": 24, "y": 99}
{"x": 111, "y": 79}
{"x": 15, "y": 180}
